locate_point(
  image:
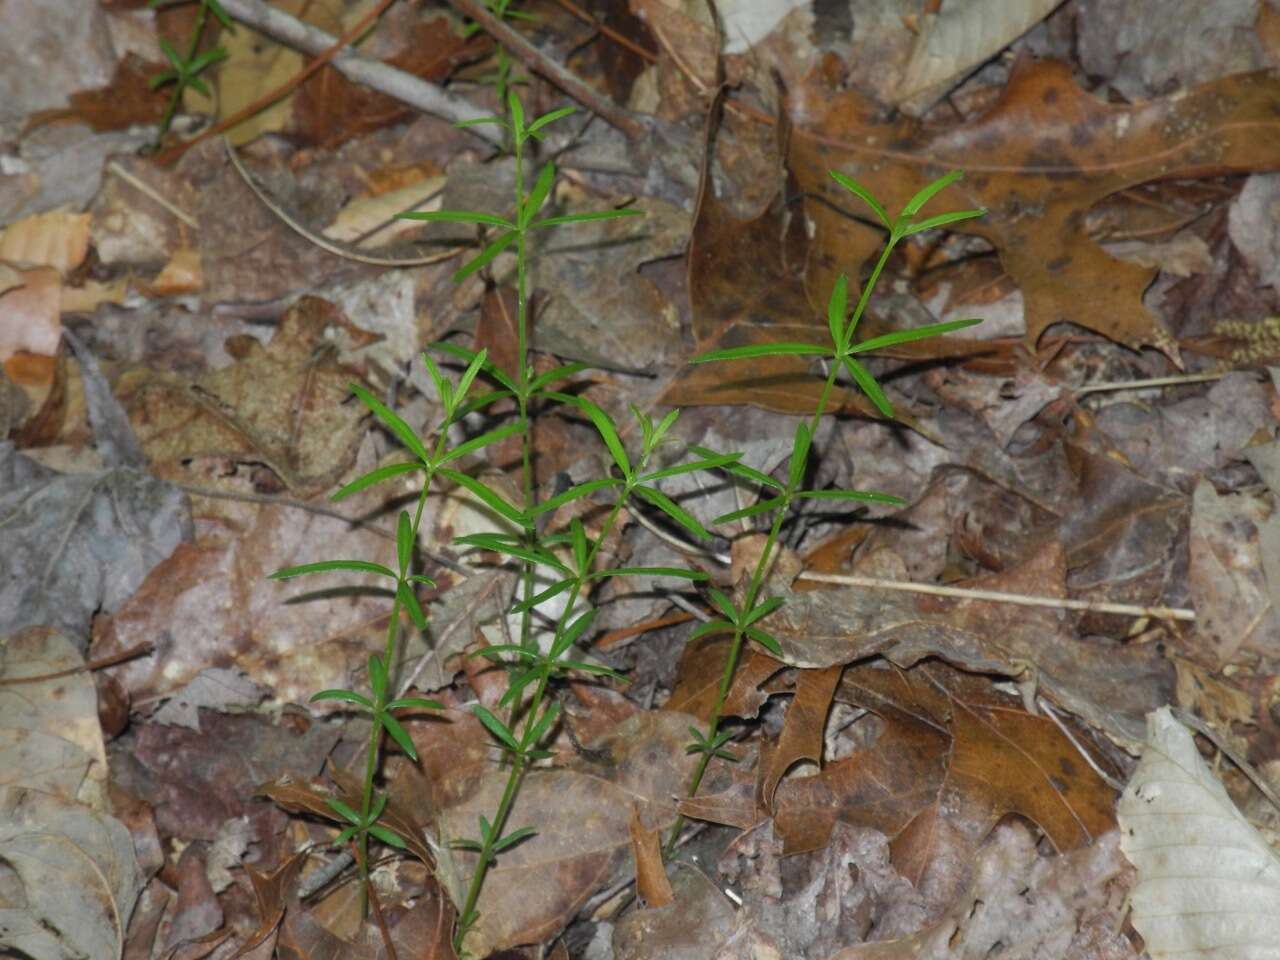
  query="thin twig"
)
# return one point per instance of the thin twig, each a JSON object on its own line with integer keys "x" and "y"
{"x": 625, "y": 42}
{"x": 323, "y": 242}
{"x": 137, "y": 650}
{"x": 1048, "y": 708}
{"x": 1020, "y": 599}
{"x": 1153, "y": 382}
{"x": 555, "y": 73}
{"x": 405, "y": 87}
{"x": 147, "y": 190}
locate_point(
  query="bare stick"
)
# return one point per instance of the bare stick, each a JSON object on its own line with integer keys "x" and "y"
{"x": 555, "y": 73}
{"x": 425, "y": 96}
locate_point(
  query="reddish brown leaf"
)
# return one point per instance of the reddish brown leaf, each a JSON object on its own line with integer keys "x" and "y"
{"x": 127, "y": 100}
{"x": 699, "y": 673}
{"x": 497, "y": 329}
{"x": 802, "y": 733}
{"x": 272, "y": 891}
{"x": 1037, "y": 160}
{"x": 651, "y": 873}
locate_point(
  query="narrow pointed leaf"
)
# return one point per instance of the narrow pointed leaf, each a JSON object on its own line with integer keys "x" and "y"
{"x": 400, "y": 736}
{"x": 393, "y": 422}
{"x": 724, "y": 604}
{"x": 480, "y": 442}
{"x": 496, "y": 727}
{"x": 799, "y": 456}
{"x": 650, "y": 572}
{"x": 573, "y": 493}
{"x": 489, "y": 367}
{"x": 763, "y": 350}
{"x": 343, "y": 810}
{"x": 516, "y": 110}
{"x": 388, "y": 472}
{"x": 415, "y": 703}
{"x": 863, "y": 378}
{"x": 604, "y": 426}
{"x": 457, "y": 216}
{"x": 557, "y": 373}
{"x": 485, "y": 257}
{"x": 349, "y": 696}
{"x": 377, "y": 675}
{"x": 409, "y": 600}
{"x": 388, "y": 837}
{"x": 854, "y": 187}
{"x": 518, "y": 683}
{"x": 543, "y": 725}
{"x": 707, "y": 463}
{"x": 511, "y": 839}
{"x": 572, "y": 632}
{"x": 907, "y": 336}
{"x": 580, "y": 551}
{"x": 325, "y": 566}
{"x": 863, "y": 496}
{"x": 673, "y": 510}
{"x": 739, "y": 469}
{"x": 764, "y": 506}
{"x": 551, "y": 117}
{"x": 712, "y": 626}
{"x": 404, "y": 542}
{"x": 345, "y": 836}
{"x": 760, "y": 611}
{"x": 543, "y": 596}
{"x": 765, "y": 640}
{"x": 837, "y": 309}
{"x": 943, "y": 220}
{"x": 916, "y": 203}
{"x": 468, "y": 377}
{"x": 538, "y": 195}
{"x": 592, "y": 668}
{"x": 486, "y": 496}
{"x": 586, "y": 217}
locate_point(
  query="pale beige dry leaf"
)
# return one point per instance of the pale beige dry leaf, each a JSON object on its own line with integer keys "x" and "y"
{"x": 1208, "y": 883}
{"x": 58, "y": 239}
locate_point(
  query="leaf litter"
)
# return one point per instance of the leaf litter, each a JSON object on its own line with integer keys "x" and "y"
{"x": 907, "y": 775}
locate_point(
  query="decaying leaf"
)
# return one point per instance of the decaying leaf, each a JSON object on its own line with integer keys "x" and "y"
{"x": 1207, "y": 881}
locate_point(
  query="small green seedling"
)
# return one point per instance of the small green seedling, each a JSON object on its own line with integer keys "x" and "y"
{"x": 185, "y": 70}
{"x": 742, "y": 621}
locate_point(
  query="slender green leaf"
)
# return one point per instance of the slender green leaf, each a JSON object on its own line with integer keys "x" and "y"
{"x": 478, "y": 121}
{"x": 864, "y": 496}
{"x": 345, "y": 836}
{"x": 762, "y": 610}
{"x": 557, "y": 373}
{"x": 585, "y": 217}
{"x": 763, "y": 350}
{"x": 409, "y": 600}
{"x": 437, "y": 378}
{"x": 544, "y": 595}
{"x": 518, "y": 683}
{"x": 462, "y": 353}
{"x": 574, "y": 493}
{"x": 480, "y": 442}
{"x": 739, "y": 469}
{"x": 393, "y": 423}
{"x": 604, "y": 426}
{"x": 649, "y": 572}
{"x": 415, "y": 703}
{"x": 943, "y": 220}
{"x": 377, "y": 676}
{"x": 457, "y": 216}
{"x": 214, "y": 7}
{"x": 486, "y": 541}
{"x": 539, "y": 729}
{"x": 673, "y": 510}
{"x": 571, "y": 633}
{"x": 204, "y": 59}
{"x": 538, "y": 195}
{"x": 468, "y": 376}
{"x": 404, "y": 542}
{"x": 482, "y": 401}
{"x": 498, "y": 650}
{"x": 580, "y": 551}
{"x": 496, "y": 727}
{"x": 419, "y": 578}
{"x": 376, "y": 476}
{"x": 854, "y": 187}
{"x": 906, "y": 336}
{"x": 173, "y": 56}
{"x": 837, "y": 310}
{"x": 799, "y": 456}
{"x": 349, "y": 696}
{"x": 663, "y": 426}
{"x": 516, "y": 110}
{"x": 764, "y": 506}
{"x": 550, "y": 117}
{"x": 863, "y": 378}
{"x": 399, "y": 735}
{"x": 927, "y": 192}
{"x": 325, "y": 566}
{"x": 707, "y": 463}
{"x": 511, "y": 839}
{"x": 390, "y": 838}
{"x": 711, "y": 626}
{"x": 592, "y": 668}
{"x": 198, "y": 85}
{"x": 485, "y": 256}
{"x": 765, "y": 640}
{"x": 344, "y": 811}
{"x": 724, "y": 605}
{"x": 487, "y": 496}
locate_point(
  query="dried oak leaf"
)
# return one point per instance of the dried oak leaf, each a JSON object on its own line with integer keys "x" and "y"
{"x": 1037, "y": 160}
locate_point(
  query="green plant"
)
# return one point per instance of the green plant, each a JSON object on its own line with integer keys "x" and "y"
{"x": 531, "y": 713}
{"x": 743, "y": 620}
{"x": 185, "y": 70}
{"x": 500, "y": 78}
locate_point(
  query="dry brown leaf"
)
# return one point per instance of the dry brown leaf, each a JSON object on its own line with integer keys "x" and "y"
{"x": 803, "y": 728}
{"x": 1037, "y": 160}
{"x": 651, "y": 873}
{"x": 58, "y": 239}
{"x": 31, "y": 316}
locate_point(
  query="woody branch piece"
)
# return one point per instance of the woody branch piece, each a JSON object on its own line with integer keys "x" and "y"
{"x": 548, "y": 69}
{"x": 405, "y": 87}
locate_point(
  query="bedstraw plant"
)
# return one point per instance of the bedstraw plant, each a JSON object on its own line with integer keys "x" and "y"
{"x": 743, "y": 619}
{"x": 561, "y": 568}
